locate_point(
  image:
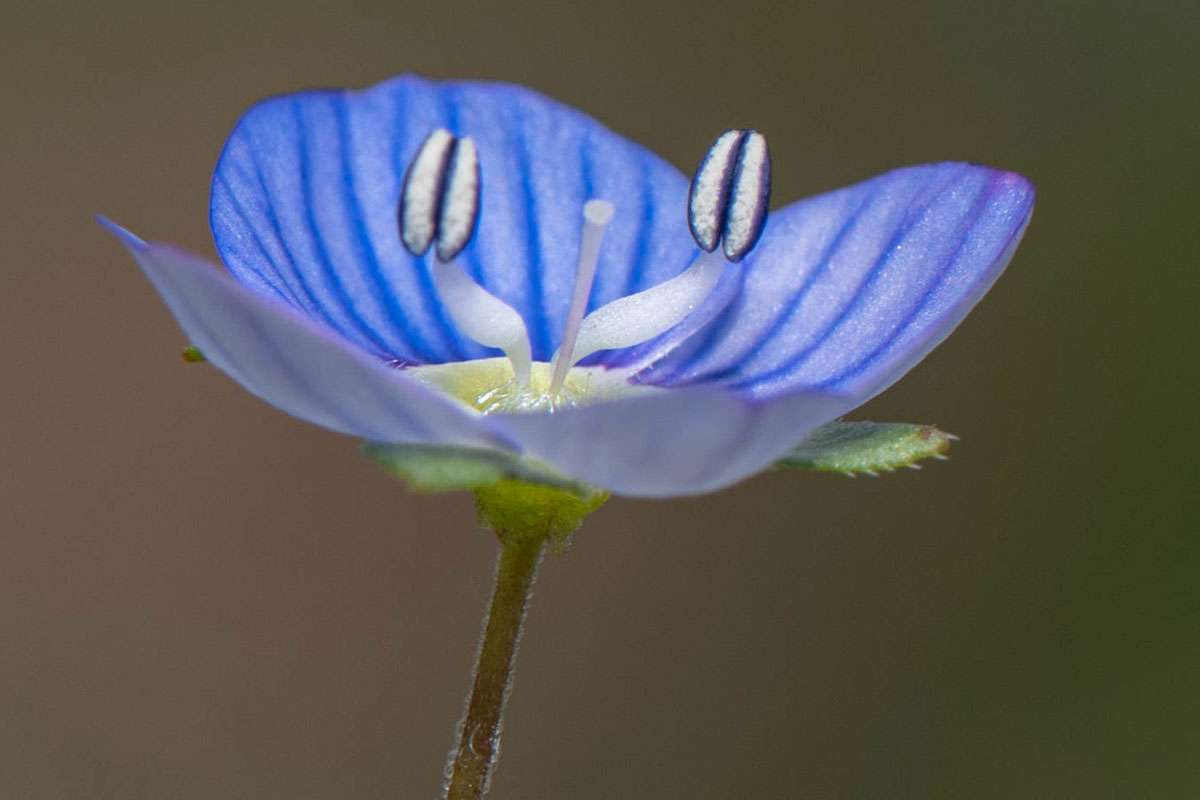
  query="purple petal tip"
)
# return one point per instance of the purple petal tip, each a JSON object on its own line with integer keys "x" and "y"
{"x": 127, "y": 238}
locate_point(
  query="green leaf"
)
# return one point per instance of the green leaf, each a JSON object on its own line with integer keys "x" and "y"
{"x": 855, "y": 448}
{"x": 451, "y": 469}
{"x": 192, "y": 355}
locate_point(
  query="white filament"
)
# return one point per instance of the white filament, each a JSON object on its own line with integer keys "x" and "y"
{"x": 624, "y": 322}
{"x": 484, "y": 317}
{"x": 640, "y": 317}
{"x": 596, "y": 216}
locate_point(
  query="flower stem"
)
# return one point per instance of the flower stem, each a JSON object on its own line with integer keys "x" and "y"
{"x": 473, "y": 759}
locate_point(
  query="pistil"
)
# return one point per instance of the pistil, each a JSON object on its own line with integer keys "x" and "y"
{"x": 727, "y": 209}
{"x": 639, "y": 317}
{"x": 439, "y": 207}
{"x": 596, "y": 216}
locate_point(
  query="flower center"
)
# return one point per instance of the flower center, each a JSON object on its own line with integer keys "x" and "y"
{"x": 630, "y": 320}
{"x": 489, "y": 385}
{"x": 439, "y": 205}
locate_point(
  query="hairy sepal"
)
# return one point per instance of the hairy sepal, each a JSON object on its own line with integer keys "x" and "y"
{"x": 867, "y": 448}
{"x": 429, "y": 468}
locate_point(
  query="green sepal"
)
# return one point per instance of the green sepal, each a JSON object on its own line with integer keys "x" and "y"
{"x": 856, "y": 448}
{"x": 429, "y": 468}
{"x": 192, "y": 355}
{"x": 514, "y": 496}
{"x": 517, "y": 508}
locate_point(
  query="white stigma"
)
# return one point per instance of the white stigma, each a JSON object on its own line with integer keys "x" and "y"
{"x": 596, "y": 216}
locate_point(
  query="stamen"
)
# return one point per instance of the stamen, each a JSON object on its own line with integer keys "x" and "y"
{"x": 640, "y": 317}
{"x": 422, "y": 192}
{"x": 730, "y": 194}
{"x": 709, "y": 195}
{"x": 484, "y": 317}
{"x": 596, "y": 216}
{"x": 459, "y": 210}
{"x": 440, "y": 202}
{"x": 749, "y": 198}
{"x": 727, "y": 205}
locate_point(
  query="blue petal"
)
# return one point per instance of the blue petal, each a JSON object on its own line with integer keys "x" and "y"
{"x": 847, "y": 291}
{"x": 678, "y": 442}
{"x": 297, "y": 364}
{"x": 305, "y": 195}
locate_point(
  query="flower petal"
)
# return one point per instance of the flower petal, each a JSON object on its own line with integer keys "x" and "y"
{"x": 297, "y": 364}
{"x": 847, "y": 291}
{"x": 677, "y": 442}
{"x": 305, "y": 198}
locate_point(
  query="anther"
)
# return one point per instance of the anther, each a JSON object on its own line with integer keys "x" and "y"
{"x": 730, "y": 193}
{"x": 439, "y": 205}
{"x": 439, "y": 202}
{"x": 727, "y": 207}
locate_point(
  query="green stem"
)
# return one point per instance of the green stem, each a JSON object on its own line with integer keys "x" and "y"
{"x": 474, "y": 757}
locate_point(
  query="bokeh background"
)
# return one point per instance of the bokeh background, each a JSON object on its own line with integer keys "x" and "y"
{"x": 201, "y": 597}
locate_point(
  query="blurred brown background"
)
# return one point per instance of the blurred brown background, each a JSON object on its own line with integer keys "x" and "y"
{"x": 203, "y": 598}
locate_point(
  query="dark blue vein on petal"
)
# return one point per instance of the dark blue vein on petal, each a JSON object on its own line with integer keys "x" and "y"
{"x": 970, "y": 223}
{"x": 915, "y": 213}
{"x": 450, "y": 99}
{"x": 314, "y": 306}
{"x": 331, "y": 276}
{"x": 587, "y": 174}
{"x": 790, "y": 306}
{"x": 415, "y": 349}
{"x": 641, "y": 249}
{"x": 275, "y": 282}
{"x": 451, "y": 349}
{"x": 539, "y": 326}
{"x": 329, "y": 404}
{"x": 588, "y": 179}
{"x": 645, "y": 231}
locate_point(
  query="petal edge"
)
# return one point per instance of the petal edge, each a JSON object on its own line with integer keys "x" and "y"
{"x": 296, "y": 364}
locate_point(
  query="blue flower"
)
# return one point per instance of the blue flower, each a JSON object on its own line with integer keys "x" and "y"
{"x": 325, "y": 313}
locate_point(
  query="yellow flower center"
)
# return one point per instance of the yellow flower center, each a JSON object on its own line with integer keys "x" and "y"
{"x": 488, "y": 385}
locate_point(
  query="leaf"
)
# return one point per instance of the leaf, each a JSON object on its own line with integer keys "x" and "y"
{"x": 854, "y": 448}
{"x": 430, "y": 468}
